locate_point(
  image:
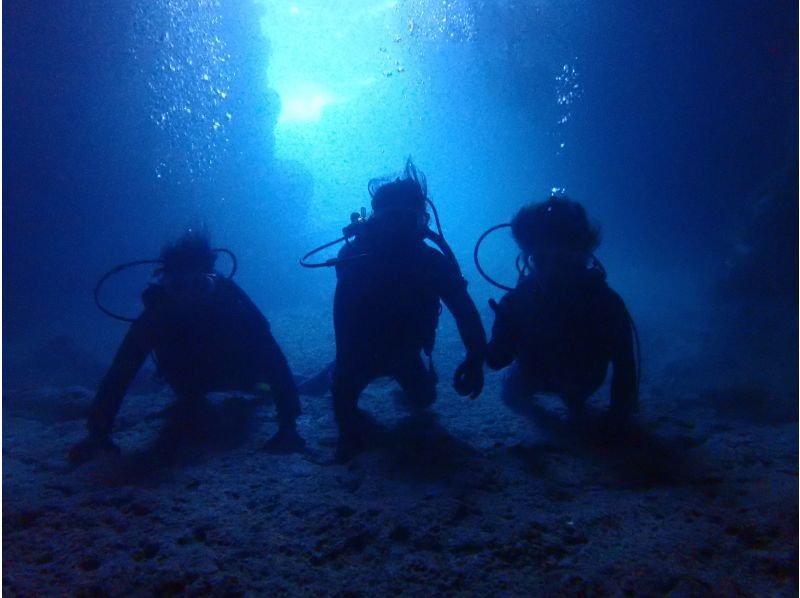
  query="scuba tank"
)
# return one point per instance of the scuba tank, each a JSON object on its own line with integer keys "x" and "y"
{"x": 357, "y": 222}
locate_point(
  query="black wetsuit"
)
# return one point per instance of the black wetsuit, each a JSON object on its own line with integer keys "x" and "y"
{"x": 386, "y": 310}
{"x": 225, "y": 345}
{"x": 563, "y": 340}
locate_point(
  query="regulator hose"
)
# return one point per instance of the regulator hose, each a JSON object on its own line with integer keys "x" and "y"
{"x": 478, "y": 262}
{"x": 126, "y": 265}
{"x": 109, "y": 274}
{"x": 231, "y": 255}
{"x": 327, "y": 263}
{"x": 638, "y": 348}
{"x": 437, "y": 237}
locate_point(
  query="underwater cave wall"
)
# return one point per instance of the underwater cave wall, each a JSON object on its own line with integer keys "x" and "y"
{"x": 124, "y": 124}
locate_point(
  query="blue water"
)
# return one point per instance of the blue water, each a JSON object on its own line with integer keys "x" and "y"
{"x": 673, "y": 123}
{"x": 126, "y": 124}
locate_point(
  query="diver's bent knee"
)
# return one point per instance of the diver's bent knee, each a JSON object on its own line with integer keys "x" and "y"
{"x": 518, "y": 400}
{"x": 425, "y": 398}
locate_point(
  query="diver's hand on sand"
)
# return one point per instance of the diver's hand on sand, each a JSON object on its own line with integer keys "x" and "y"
{"x": 285, "y": 441}
{"x": 468, "y": 379}
{"x": 88, "y": 448}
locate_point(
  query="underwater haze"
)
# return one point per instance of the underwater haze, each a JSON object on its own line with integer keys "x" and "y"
{"x": 675, "y": 124}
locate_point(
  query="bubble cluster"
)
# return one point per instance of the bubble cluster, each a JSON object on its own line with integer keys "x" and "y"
{"x": 568, "y": 91}
{"x": 188, "y": 72}
{"x": 439, "y": 20}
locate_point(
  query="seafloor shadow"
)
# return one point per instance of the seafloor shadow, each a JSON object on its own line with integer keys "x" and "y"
{"x": 420, "y": 449}
{"x": 637, "y": 457}
{"x": 752, "y": 405}
{"x": 536, "y": 458}
{"x": 188, "y": 434}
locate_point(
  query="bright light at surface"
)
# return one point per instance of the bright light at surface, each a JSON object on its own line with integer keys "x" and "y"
{"x": 344, "y": 73}
{"x": 324, "y": 52}
{"x": 363, "y": 84}
{"x": 303, "y": 102}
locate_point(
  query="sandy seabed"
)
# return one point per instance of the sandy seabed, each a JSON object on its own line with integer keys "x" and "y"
{"x": 468, "y": 499}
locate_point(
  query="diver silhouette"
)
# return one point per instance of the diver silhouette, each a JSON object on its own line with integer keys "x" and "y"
{"x": 387, "y": 306}
{"x": 207, "y": 335}
{"x": 562, "y": 325}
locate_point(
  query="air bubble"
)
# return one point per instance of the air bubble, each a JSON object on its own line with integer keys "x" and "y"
{"x": 189, "y": 77}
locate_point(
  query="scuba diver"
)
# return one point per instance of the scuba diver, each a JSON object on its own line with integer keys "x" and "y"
{"x": 387, "y": 306}
{"x": 206, "y": 335}
{"x": 562, "y": 324}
